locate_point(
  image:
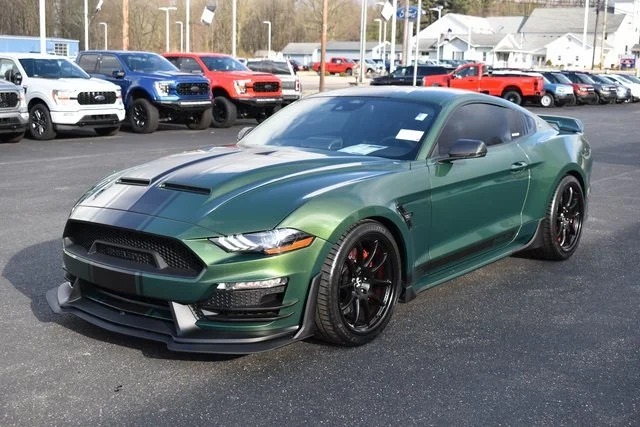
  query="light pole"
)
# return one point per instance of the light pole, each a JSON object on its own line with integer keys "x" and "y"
{"x": 379, "y": 21}
{"x": 415, "y": 62}
{"x": 166, "y": 10}
{"x": 188, "y": 19}
{"x": 363, "y": 39}
{"x": 439, "y": 10}
{"x": 181, "y": 35}
{"x": 43, "y": 27}
{"x": 384, "y": 31}
{"x": 269, "y": 38}
{"x": 106, "y": 32}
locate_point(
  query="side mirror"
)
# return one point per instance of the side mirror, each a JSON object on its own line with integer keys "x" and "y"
{"x": 243, "y": 132}
{"x": 16, "y": 79}
{"x": 118, "y": 74}
{"x": 467, "y": 149}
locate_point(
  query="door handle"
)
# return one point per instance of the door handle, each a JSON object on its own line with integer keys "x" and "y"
{"x": 519, "y": 166}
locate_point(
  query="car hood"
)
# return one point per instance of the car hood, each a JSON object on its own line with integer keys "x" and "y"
{"x": 177, "y": 76}
{"x": 233, "y": 190}
{"x": 79, "y": 84}
{"x": 255, "y": 76}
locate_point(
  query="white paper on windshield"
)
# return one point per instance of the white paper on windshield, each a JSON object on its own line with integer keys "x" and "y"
{"x": 410, "y": 135}
{"x": 362, "y": 149}
{"x": 421, "y": 116}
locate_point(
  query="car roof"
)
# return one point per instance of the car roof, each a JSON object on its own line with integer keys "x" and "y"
{"x": 24, "y": 55}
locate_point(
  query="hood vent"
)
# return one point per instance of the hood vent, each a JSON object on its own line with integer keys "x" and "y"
{"x": 266, "y": 153}
{"x": 134, "y": 181}
{"x": 186, "y": 188}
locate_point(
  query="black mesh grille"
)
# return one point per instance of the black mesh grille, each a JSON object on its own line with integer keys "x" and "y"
{"x": 8, "y": 99}
{"x": 178, "y": 258}
{"x": 230, "y": 300}
{"x": 192, "y": 89}
{"x": 266, "y": 86}
{"x": 9, "y": 121}
{"x": 93, "y": 98}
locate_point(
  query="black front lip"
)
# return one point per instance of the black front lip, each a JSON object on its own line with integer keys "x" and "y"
{"x": 181, "y": 335}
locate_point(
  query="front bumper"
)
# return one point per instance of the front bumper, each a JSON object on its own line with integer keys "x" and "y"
{"x": 176, "y": 324}
{"x": 88, "y": 117}
{"x": 185, "y": 105}
{"x": 259, "y": 102}
{"x": 13, "y": 123}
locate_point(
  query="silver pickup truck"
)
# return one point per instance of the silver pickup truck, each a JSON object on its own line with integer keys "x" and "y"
{"x": 14, "y": 116}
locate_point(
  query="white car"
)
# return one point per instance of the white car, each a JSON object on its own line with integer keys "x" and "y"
{"x": 627, "y": 82}
{"x": 61, "y": 96}
{"x": 291, "y": 89}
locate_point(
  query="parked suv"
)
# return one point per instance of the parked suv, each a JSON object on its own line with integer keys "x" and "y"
{"x": 291, "y": 90}
{"x": 152, "y": 88}
{"x": 237, "y": 91}
{"x": 558, "y": 90}
{"x": 61, "y": 96}
{"x": 14, "y": 116}
{"x": 604, "y": 93}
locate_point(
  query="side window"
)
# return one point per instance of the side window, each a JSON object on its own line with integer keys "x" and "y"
{"x": 109, "y": 64}
{"x": 520, "y": 124}
{"x": 174, "y": 61}
{"x": 88, "y": 62}
{"x": 486, "y": 122}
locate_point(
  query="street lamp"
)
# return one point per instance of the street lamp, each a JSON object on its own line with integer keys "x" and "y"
{"x": 181, "y": 35}
{"x": 106, "y": 32}
{"x": 379, "y": 21}
{"x": 166, "y": 10}
{"x": 269, "y": 38}
{"x": 439, "y": 10}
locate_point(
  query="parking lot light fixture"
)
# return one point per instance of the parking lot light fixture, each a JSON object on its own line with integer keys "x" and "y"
{"x": 166, "y": 10}
{"x": 180, "y": 23}
{"x": 439, "y": 10}
{"x": 268, "y": 23}
{"x": 106, "y": 33}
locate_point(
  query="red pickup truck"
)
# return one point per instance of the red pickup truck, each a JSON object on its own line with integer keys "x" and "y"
{"x": 476, "y": 77}
{"x": 337, "y": 66}
{"x": 237, "y": 91}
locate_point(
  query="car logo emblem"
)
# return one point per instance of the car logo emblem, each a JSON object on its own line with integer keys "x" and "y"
{"x": 195, "y": 89}
{"x": 268, "y": 87}
{"x": 99, "y": 98}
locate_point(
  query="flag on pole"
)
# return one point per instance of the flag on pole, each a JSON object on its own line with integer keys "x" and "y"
{"x": 207, "y": 15}
{"x": 387, "y": 11}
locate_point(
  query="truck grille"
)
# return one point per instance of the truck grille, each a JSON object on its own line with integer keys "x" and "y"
{"x": 96, "y": 98}
{"x": 8, "y": 99}
{"x": 136, "y": 247}
{"x": 266, "y": 87}
{"x": 192, "y": 89}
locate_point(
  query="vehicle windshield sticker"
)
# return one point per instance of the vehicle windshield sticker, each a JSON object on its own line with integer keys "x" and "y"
{"x": 362, "y": 149}
{"x": 422, "y": 116}
{"x": 410, "y": 135}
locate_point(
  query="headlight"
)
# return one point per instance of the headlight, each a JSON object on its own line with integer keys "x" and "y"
{"x": 241, "y": 86}
{"x": 63, "y": 96}
{"x": 268, "y": 242}
{"x": 162, "y": 88}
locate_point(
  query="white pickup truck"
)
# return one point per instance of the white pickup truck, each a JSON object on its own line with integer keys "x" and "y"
{"x": 61, "y": 96}
{"x": 13, "y": 112}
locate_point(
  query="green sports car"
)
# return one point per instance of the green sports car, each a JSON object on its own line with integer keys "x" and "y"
{"x": 321, "y": 218}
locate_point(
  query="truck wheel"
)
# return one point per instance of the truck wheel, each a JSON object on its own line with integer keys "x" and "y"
{"x": 40, "y": 125}
{"x": 12, "y": 138}
{"x": 266, "y": 113}
{"x": 546, "y": 100}
{"x": 513, "y": 96}
{"x": 224, "y": 112}
{"x": 571, "y": 101}
{"x": 143, "y": 116}
{"x": 110, "y": 131}
{"x": 200, "y": 120}
{"x": 349, "y": 72}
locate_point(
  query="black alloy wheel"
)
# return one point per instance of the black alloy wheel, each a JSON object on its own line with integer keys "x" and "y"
{"x": 359, "y": 286}
{"x": 562, "y": 226}
{"x": 225, "y": 113}
{"x": 513, "y": 96}
{"x": 143, "y": 117}
{"x": 40, "y": 124}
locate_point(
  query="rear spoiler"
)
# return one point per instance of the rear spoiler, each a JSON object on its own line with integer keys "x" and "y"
{"x": 564, "y": 124}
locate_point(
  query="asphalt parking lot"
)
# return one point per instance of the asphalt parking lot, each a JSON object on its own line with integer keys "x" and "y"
{"x": 519, "y": 342}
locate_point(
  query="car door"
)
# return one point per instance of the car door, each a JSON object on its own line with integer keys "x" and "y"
{"x": 467, "y": 78}
{"x": 110, "y": 68}
{"x": 477, "y": 203}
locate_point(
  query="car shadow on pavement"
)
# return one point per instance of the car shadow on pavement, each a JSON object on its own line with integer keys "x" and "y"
{"x": 30, "y": 272}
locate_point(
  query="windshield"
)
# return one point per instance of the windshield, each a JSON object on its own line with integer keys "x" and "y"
{"x": 352, "y": 125}
{"x": 632, "y": 79}
{"x": 223, "y": 63}
{"x": 273, "y": 67}
{"x": 52, "y": 68}
{"x": 559, "y": 78}
{"x": 605, "y": 79}
{"x": 147, "y": 62}
{"x": 584, "y": 78}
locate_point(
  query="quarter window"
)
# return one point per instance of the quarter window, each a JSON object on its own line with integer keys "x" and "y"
{"x": 88, "y": 62}
{"x": 109, "y": 64}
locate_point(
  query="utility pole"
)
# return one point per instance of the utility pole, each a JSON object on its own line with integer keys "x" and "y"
{"x": 125, "y": 24}
{"x": 323, "y": 43}
{"x": 604, "y": 33}
{"x": 405, "y": 39}
{"x": 595, "y": 36}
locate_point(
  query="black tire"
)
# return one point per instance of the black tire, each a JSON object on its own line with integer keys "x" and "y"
{"x": 562, "y": 226}
{"x": 571, "y": 101}
{"x": 596, "y": 100}
{"x": 110, "y": 131}
{"x": 40, "y": 125}
{"x": 200, "y": 120}
{"x": 143, "y": 116}
{"x": 266, "y": 113}
{"x": 225, "y": 112}
{"x": 11, "y": 138}
{"x": 349, "y": 72}
{"x": 547, "y": 100}
{"x": 359, "y": 285}
{"x": 513, "y": 96}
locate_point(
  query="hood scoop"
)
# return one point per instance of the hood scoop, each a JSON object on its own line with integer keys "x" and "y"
{"x": 134, "y": 181}
{"x": 186, "y": 188}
